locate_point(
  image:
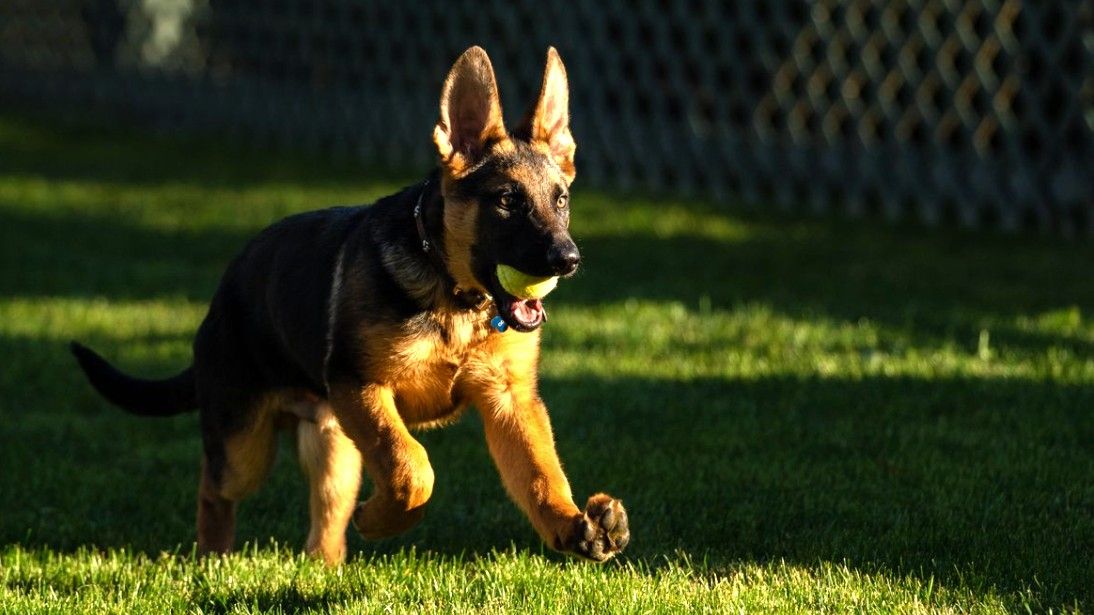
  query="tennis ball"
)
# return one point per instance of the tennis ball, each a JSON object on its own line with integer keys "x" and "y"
{"x": 524, "y": 286}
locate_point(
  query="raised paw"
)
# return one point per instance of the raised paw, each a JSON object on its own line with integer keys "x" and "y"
{"x": 601, "y": 531}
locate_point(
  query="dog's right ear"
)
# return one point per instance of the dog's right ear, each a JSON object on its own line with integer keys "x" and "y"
{"x": 471, "y": 117}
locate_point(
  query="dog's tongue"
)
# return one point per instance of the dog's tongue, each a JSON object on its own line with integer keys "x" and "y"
{"x": 528, "y": 312}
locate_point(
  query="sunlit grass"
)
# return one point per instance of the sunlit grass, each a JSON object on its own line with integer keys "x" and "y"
{"x": 494, "y": 583}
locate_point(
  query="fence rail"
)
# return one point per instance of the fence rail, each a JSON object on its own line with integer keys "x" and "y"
{"x": 978, "y": 113}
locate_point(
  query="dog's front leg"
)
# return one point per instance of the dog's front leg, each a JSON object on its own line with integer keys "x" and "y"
{"x": 398, "y": 465}
{"x": 518, "y": 433}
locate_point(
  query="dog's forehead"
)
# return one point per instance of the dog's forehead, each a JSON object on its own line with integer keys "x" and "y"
{"x": 520, "y": 163}
{"x": 530, "y": 165}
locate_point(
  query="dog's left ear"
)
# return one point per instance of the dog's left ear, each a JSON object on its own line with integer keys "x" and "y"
{"x": 547, "y": 124}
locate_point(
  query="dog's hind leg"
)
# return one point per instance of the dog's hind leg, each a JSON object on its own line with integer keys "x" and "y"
{"x": 216, "y": 515}
{"x": 233, "y": 467}
{"x": 333, "y": 467}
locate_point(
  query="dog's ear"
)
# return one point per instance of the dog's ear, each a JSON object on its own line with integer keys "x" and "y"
{"x": 470, "y": 112}
{"x": 547, "y": 124}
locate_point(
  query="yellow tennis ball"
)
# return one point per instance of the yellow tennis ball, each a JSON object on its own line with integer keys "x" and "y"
{"x": 524, "y": 286}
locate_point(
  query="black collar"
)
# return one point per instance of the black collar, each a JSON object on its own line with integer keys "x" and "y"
{"x": 467, "y": 299}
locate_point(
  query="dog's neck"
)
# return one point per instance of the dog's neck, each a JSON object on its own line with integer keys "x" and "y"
{"x": 431, "y": 247}
{"x": 423, "y": 272}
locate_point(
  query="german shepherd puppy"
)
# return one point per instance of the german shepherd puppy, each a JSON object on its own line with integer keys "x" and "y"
{"x": 355, "y": 325}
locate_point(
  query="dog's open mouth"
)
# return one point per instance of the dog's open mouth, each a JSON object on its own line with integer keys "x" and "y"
{"x": 524, "y": 310}
{"x": 520, "y": 314}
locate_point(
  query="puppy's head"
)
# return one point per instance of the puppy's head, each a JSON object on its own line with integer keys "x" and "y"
{"x": 506, "y": 195}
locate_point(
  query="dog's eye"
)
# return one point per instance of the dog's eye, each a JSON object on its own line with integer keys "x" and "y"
{"x": 507, "y": 201}
{"x": 563, "y": 201}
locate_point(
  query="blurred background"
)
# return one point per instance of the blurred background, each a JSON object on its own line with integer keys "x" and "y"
{"x": 975, "y": 113}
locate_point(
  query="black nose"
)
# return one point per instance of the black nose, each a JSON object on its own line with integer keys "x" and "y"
{"x": 563, "y": 257}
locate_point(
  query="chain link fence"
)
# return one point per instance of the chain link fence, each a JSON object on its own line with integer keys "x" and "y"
{"x": 977, "y": 113}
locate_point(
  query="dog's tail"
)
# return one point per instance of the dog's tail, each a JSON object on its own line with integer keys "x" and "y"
{"x": 166, "y": 397}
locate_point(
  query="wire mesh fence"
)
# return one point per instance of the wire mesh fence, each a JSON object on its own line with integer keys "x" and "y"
{"x": 978, "y": 113}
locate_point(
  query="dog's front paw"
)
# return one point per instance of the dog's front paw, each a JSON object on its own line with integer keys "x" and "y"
{"x": 601, "y": 531}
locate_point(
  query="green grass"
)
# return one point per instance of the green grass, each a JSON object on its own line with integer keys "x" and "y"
{"x": 800, "y": 415}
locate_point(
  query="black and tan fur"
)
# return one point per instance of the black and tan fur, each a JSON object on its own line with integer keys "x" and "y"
{"x": 337, "y": 325}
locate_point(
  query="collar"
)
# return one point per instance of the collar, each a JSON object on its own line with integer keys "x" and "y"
{"x": 467, "y": 299}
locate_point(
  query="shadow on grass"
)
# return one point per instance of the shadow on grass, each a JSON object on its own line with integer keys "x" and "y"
{"x": 941, "y": 287}
{"x": 980, "y": 483}
{"x": 86, "y": 255}
{"x": 57, "y": 148}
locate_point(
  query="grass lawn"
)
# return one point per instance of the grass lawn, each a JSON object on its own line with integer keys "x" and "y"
{"x": 800, "y": 415}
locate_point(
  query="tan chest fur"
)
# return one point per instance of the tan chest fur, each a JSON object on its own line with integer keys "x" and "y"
{"x": 423, "y": 362}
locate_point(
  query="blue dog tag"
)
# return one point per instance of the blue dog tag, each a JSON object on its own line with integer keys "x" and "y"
{"x": 499, "y": 324}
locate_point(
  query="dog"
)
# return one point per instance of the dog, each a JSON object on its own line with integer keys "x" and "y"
{"x": 353, "y": 326}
